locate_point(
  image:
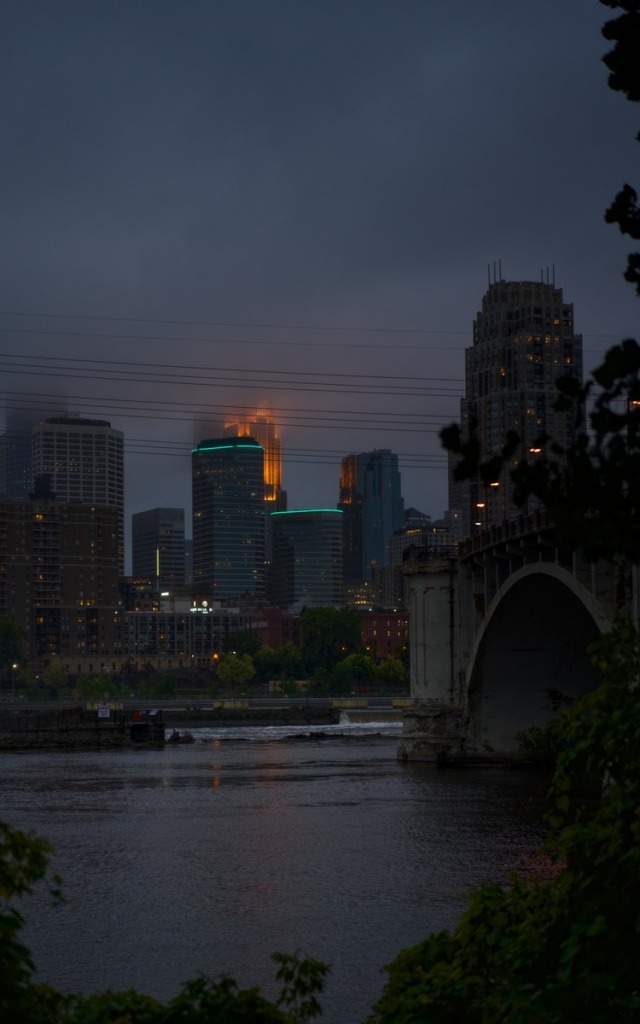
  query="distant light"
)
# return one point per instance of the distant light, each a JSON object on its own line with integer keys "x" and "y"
{"x": 219, "y": 447}
{"x": 304, "y": 511}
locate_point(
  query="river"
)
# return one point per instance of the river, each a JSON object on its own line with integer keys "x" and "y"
{"x": 207, "y": 857}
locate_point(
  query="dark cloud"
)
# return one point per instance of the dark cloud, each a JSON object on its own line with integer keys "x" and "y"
{"x": 319, "y": 164}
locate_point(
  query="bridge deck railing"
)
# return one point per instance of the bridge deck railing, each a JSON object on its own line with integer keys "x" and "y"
{"x": 511, "y": 529}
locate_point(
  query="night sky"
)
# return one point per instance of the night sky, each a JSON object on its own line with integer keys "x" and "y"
{"x": 208, "y": 207}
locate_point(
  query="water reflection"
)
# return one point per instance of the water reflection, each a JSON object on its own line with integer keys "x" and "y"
{"x": 207, "y": 857}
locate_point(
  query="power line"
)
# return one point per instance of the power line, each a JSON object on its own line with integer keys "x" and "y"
{"x": 225, "y": 341}
{"x": 134, "y": 368}
{"x": 259, "y": 325}
{"x": 230, "y": 323}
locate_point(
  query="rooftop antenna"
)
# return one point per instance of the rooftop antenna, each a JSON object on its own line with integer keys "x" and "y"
{"x": 500, "y": 270}
{"x": 553, "y": 270}
{"x": 489, "y": 275}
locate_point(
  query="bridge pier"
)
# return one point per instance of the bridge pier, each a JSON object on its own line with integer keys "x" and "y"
{"x": 434, "y": 726}
{"x": 432, "y": 731}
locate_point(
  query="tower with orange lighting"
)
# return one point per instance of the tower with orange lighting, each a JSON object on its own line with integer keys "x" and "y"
{"x": 261, "y": 427}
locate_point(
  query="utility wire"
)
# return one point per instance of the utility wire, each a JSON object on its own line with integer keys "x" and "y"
{"x": 265, "y": 325}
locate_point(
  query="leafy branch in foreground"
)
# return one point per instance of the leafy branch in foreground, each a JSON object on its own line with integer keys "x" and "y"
{"x": 624, "y": 67}
{"x": 567, "y": 949}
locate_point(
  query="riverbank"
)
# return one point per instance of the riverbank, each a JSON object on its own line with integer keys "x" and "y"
{"x": 105, "y": 727}
{"x": 79, "y": 728}
{"x": 294, "y": 715}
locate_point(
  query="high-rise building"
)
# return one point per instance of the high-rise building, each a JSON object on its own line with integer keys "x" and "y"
{"x": 16, "y": 472}
{"x": 157, "y": 546}
{"x": 84, "y": 460}
{"x": 306, "y": 570}
{"x": 392, "y": 589}
{"x": 371, "y": 499}
{"x": 16, "y": 475}
{"x": 261, "y": 427}
{"x": 523, "y": 341}
{"x": 228, "y": 518}
{"x": 59, "y": 578}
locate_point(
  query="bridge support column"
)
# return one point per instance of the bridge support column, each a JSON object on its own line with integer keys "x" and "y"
{"x": 434, "y": 725}
{"x": 432, "y": 731}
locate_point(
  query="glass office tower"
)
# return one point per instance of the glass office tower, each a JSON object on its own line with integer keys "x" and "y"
{"x": 228, "y": 519}
{"x": 371, "y": 499}
{"x": 307, "y": 559}
{"x": 157, "y": 546}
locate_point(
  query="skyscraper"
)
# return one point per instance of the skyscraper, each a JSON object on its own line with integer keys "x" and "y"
{"x": 59, "y": 577}
{"x": 261, "y": 427}
{"x": 158, "y": 551}
{"x": 16, "y": 473}
{"x": 307, "y": 559}
{"x": 228, "y": 518}
{"x": 371, "y": 499}
{"x": 523, "y": 340}
{"x": 84, "y": 460}
{"x": 16, "y": 476}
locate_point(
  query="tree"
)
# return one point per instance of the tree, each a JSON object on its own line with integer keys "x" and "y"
{"x": 23, "y": 862}
{"x": 328, "y": 635}
{"x": 158, "y": 685}
{"x": 356, "y": 669}
{"x": 267, "y": 663}
{"x": 92, "y": 687}
{"x": 281, "y": 663}
{"x": 624, "y": 66}
{"x": 591, "y": 488}
{"x": 55, "y": 675}
{"x": 290, "y": 661}
{"x": 565, "y": 949}
{"x": 391, "y": 672}
{"x": 12, "y": 642}
{"x": 242, "y": 641}
{"x": 236, "y": 669}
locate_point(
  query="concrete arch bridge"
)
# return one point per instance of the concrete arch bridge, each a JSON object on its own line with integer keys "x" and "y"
{"x": 498, "y": 637}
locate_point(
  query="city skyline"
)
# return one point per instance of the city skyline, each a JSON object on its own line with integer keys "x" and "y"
{"x": 295, "y": 207}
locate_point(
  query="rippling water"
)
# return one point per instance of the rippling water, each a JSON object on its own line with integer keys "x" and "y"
{"x": 208, "y": 857}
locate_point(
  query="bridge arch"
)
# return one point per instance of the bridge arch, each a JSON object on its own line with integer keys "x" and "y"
{"x": 529, "y": 656}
